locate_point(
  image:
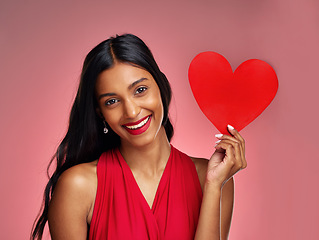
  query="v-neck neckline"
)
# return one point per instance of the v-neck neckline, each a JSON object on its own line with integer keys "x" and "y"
{"x": 160, "y": 185}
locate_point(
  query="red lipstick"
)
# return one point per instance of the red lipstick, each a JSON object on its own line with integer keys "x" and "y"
{"x": 138, "y": 127}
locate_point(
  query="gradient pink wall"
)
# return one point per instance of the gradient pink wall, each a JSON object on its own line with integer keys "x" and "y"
{"x": 43, "y": 44}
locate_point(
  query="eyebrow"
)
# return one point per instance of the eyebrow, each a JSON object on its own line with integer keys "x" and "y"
{"x": 137, "y": 82}
{"x": 129, "y": 87}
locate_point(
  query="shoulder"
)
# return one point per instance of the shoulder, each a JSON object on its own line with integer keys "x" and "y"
{"x": 79, "y": 174}
{"x": 75, "y": 191}
{"x": 79, "y": 178}
{"x": 201, "y": 168}
{"x": 200, "y": 165}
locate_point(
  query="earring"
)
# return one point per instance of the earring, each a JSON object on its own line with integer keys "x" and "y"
{"x": 105, "y": 130}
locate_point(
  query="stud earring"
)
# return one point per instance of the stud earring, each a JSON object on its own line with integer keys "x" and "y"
{"x": 105, "y": 130}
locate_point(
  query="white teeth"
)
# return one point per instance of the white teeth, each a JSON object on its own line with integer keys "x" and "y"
{"x": 141, "y": 124}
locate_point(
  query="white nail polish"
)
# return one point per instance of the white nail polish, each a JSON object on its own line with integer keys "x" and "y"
{"x": 230, "y": 127}
{"x": 219, "y": 135}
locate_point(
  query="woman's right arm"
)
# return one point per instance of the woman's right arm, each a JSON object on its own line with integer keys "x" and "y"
{"x": 72, "y": 203}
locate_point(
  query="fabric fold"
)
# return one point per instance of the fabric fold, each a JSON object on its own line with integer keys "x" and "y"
{"x": 122, "y": 212}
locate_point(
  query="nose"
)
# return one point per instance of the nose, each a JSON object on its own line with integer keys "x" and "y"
{"x": 131, "y": 108}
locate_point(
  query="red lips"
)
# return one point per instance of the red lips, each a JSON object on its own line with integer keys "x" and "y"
{"x": 137, "y": 122}
{"x": 141, "y": 129}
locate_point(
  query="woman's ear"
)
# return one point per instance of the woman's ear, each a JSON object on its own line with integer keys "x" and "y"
{"x": 98, "y": 112}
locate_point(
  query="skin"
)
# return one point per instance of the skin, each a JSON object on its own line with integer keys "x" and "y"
{"x": 126, "y": 94}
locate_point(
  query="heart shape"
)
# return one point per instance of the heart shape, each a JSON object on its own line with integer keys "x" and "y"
{"x": 231, "y": 98}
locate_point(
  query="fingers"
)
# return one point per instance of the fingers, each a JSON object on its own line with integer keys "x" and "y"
{"x": 234, "y": 147}
{"x": 238, "y": 146}
{"x": 232, "y": 154}
{"x": 236, "y": 134}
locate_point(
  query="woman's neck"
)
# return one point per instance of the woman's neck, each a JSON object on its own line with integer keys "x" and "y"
{"x": 151, "y": 158}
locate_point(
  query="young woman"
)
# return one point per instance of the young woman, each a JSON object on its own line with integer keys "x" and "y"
{"x": 118, "y": 176}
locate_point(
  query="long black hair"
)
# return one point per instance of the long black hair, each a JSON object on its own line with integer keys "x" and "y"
{"x": 85, "y": 140}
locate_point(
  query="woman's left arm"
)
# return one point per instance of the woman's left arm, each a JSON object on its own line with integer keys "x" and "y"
{"x": 227, "y": 204}
{"x": 226, "y": 198}
{"x": 218, "y": 191}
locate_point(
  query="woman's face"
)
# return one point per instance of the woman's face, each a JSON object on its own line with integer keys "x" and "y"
{"x": 130, "y": 102}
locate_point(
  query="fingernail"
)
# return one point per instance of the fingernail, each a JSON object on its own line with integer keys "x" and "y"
{"x": 230, "y": 127}
{"x": 219, "y": 135}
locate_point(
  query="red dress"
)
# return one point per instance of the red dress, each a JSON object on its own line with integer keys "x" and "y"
{"x": 121, "y": 211}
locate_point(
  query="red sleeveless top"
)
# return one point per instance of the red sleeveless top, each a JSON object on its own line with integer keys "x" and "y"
{"x": 122, "y": 212}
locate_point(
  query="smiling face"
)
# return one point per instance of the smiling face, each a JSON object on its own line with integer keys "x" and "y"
{"x": 130, "y": 102}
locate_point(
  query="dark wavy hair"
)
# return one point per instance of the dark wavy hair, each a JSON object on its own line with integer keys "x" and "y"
{"x": 85, "y": 140}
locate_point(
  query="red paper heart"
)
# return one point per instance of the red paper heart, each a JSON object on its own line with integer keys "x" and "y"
{"x": 231, "y": 98}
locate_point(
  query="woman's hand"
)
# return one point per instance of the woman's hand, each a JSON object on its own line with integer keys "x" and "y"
{"x": 217, "y": 204}
{"x": 228, "y": 158}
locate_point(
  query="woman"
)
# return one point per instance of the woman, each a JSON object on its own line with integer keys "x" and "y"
{"x": 117, "y": 176}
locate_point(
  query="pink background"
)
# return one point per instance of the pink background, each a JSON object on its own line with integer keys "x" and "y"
{"x": 42, "y": 47}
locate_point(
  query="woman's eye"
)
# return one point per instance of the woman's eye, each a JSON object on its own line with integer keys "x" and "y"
{"x": 140, "y": 90}
{"x": 111, "y": 102}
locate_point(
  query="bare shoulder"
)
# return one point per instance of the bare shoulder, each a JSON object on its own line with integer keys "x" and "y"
{"x": 79, "y": 176}
{"x": 73, "y": 199}
{"x": 201, "y": 168}
{"x": 79, "y": 181}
